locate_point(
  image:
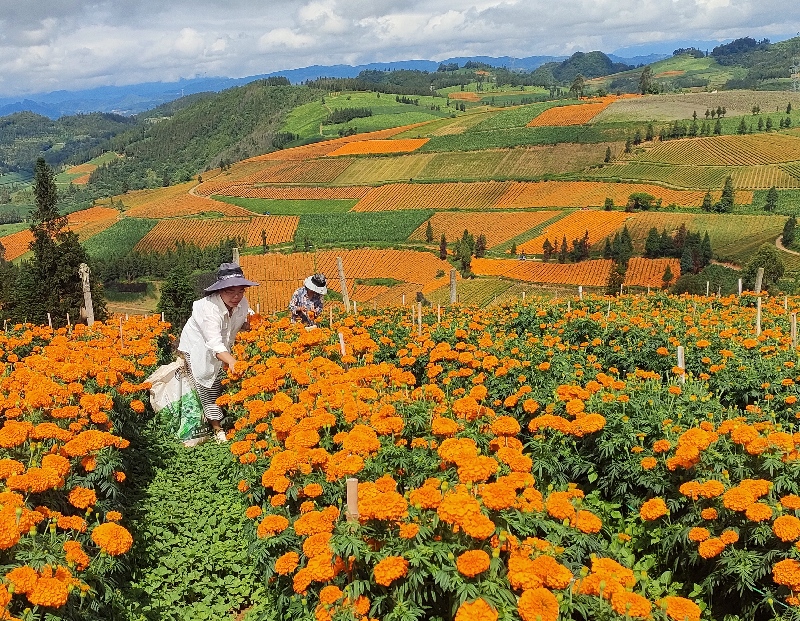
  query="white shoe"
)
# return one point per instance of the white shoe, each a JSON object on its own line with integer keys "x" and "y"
{"x": 219, "y": 436}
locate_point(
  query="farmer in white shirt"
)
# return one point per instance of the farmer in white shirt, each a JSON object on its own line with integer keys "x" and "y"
{"x": 207, "y": 338}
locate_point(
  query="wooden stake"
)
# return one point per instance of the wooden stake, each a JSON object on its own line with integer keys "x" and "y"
{"x": 569, "y": 307}
{"x": 236, "y": 256}
{"x": 523, "y": 295}
{"x": 740, "y": 287}
{"x": 682, "y": 363}
{"x": 452, "y": 287}
{"x": 120, "y": 331}
{"x": 794, "y": 331}
{"x": 758, "y": 316}
{"x": 330, "y": 323}
{"x": 759, "y": 279}
{"x": 419, "y": 318}
{"x": 343, "y": 282}
{"x": 352, "y": 499}
{"x": 83, "y": 272}
{"x": 608, "y": 312}
{"x": 342, "y": 349}
{"x": 438, "y": 313}
{"x": 258, "y": 307}
{"x": 785, "y": 302}
{"x": 648, "y": 290}
{"x": 49, "y": 321}
{"x": 355, "y": 308}
{"x": 162, "y": 316}
{"x": 580, "y": 292}
{"x": 707, "y": 285}
{"x": 404, "y": 299}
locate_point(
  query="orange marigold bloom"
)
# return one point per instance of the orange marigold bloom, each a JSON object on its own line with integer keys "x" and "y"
{"x": 23, "y": 578}
{"x": 791, "y": 501}
{"x": 538, "y": 605}
{"x": 472, "y": 562}
{"x": 11, "y": 466}
{"x": 271, "y": 525}
{"x": 409, "y": 531}
{"x": 630, "y": 604}
{"x": 76, "y": 555}
{"x": 709, "y": 514}
{"x": 330, "y": 594}
{"x": 787, "y": 573}
{"x": 588, "y": 522}
{"x": 478, "y": 610}
{"x": 49, "y": 592}
{"x": 661, "y": 446}
{"x": 698, "y": 534}
{"x": 758, "y": 512}
{"x": 113, "y": 516}
{"x": 681, "y": 609}
{"x": 73, "y": 522}
{"x": 729, "y": 537}
{"x": 82, "y": 497}
{"x": 648, "y": 463}
{"x": 112, "y": 538}
{"x": 137, "y": 406}
{"x": 390, "y": 569}
{"x": 312, "y": 490}
{"x": 287, "y": 563}
{"x": 653, "y": 509}
{"x": 786, "y": 528}
{"x": 253, "y": 512}
{"x": 711, "y": 547}
{"x": 559, "y": 505}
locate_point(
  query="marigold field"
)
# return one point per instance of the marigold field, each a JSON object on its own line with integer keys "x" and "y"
{"x": 539, "y": 460}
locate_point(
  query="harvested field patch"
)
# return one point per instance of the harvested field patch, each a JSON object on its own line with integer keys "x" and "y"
{"x": 373, "y": 147}
{"x": 441, "y": 196}
{"x": 170, "y": 205}
{"x": 375, "y": 170}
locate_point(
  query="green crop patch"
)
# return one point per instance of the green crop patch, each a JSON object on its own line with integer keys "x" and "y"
{"x": 379, "y": 226}
{"x": 119, "y": 239}
{"x": 288, "y": 207}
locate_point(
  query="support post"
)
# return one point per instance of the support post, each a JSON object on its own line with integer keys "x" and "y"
{"x": 355, "y": 308}
{"x": 682, "y": 363}
{"x": 404, "y": 299}
{"x": 740, "y": 287}
{"x": 523, "y": 295}
{"x": 120, "y": 332}
{"x": 83, "y": 272}
{"x": 452, "y": 287}
{"x": 49, "y": 321}
{"x": 342, "y": 348}
{"x": 707, "y": 286}
{"x": 758, "y": 317}
{"x": 419, "y": 318}
{"x": 352, "y": 499}
{"x": 330, "y": 322}
{"x": 580, "y": 292}
{"x": 343, "y": 282}
{"x": 438, "y": 313}
{"x": 794, "y": 331}
{"x": 759, "y": 279}
{"x": 236, "y": 256}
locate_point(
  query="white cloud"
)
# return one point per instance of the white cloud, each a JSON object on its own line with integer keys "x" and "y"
{"x": 284, "y": 38}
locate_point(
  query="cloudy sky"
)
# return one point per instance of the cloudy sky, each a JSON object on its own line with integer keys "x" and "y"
{"x": 77, "y": 44}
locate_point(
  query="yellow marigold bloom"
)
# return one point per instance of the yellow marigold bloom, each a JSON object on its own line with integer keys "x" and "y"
{"x": 472, "y": 562}
{"x": 390, "y": 569}
{"x": 112, "y": 538}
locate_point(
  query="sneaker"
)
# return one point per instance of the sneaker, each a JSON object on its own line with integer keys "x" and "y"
{"x": 220, "y": 437}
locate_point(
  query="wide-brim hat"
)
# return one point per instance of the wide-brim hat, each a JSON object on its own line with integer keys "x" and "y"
{"x": 229, "y": 275}
{"x": 317, "y": 283}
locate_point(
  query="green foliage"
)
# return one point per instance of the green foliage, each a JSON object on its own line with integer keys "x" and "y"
{"x": 177, "y": 297}
{"x": 288, "y": 207}
{"x": 769, "y": 258}
{"x": 719, "y": 278}
{"x": 119, "y": 239}
{"x": 771, "y": 202}
{"x": 357, "y": 227}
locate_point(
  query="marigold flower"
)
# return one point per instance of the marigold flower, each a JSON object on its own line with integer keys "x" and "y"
{"x": 630, "y": 604}
{"x": 698, "y": 534}
{"x": 648, "y": 463}
{"x": 681, "y": 609}
{"x": 253, "y": 512}
{"x": 711, "y": 547}
{"x": 81, "y": 497}
{"x": 729, "y": 537}
{"x": 287, "y": 563}
{"x": 786, "y": 528}
{"x": 23, "y": 578}
{"x": 76, "y": 555}
{"x": 472, "y": 562}
{"x": 758, "y": 512}
{"x": 409, "y": 531}
{"x": 538, "y": 605}
{"x": 112, "y": 538}
{"x": 587, "y": 522}
{"x": 709, "y": 514}
{"x": 478, "y": 610}
{"x": 787, "y": 573}
{"x": 390, "y": 569}
{"x": 653, "y": 509}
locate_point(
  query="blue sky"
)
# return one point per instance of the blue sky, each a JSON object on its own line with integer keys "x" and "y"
{"x": 77, "y": 44}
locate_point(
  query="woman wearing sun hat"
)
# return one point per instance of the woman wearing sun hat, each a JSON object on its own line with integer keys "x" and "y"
{"x": 306, "y": 303}
{"x": 207, "y": 338}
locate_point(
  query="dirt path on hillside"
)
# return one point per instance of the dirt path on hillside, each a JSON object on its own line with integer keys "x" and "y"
{"x": 780, "y": 246}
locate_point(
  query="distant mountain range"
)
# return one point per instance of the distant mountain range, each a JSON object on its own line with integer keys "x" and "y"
{"x": 136, "y": 98}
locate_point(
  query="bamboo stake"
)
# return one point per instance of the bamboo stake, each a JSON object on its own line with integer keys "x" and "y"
{"x": 740, "y": 287}
{"x": 330, "y": 323}
{"x": 682, "y": 363}
{"x": 707, "y": 285}
{"x": 49, "y": 321}
{"x": 759, "y": 279}
{"x": 438, "y": 313}
{"x": 794, "y": 331}
{"x": 342, "y": 349}
{"x": 352, "y": 499}
{"x": 355, "y": 308}
{"x": 452, "y": 287}
{"x": 120, "y": 332}
{"x": 580, "y": 292}
{"x": 343, "y": 282}
{"x": 758, "y": 316}
{"x": 419, "y": 318}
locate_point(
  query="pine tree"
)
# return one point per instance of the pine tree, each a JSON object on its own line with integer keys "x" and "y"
{"x": 607, "y": 157}
{"x": 718, "y": 128}
{"x": 607, "y": 250}
{"x": 789, "y": 231}
{"x": 708, "y": 202}
{"x": 177, "y": 296}
{"x": 443, "y": 248}
{"x": 652, "y": 245}
{"x": 547, "y": 250}
{"x": 768, "y": 124}
{"x": 480, "y": 246}
{"x": 772, "y": 199}
{"x": 429, "y": 233}
{"x": 726, "y": 202}
{"x": 513, "y": 250}
{"x": 609, "y": 204}
{"x": 706, "y": 254}
{"x": 687, "y": 261}
{"x": 562, "y": 254}
{"x": 666, "y": 279}
{"x": 49, "y": 282}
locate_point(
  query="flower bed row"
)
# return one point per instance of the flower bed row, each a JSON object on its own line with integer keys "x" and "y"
{"x": 525, "y": 462}
{"x": 63, "y": 397}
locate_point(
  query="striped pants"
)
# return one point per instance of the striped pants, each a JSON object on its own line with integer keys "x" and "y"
{"x": 208, "y": 396}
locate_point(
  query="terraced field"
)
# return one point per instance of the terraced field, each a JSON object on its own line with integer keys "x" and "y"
{"x": 643, "y": 272}
{"x": 747, "y": 150}
{"x": 442, "y": 196}
{"x": 498, "y": 227}
{"x": 599, "y": 225}
{"x": 592, "y": 273}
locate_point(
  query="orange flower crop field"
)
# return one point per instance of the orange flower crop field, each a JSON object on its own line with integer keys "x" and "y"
{"x": 84, "y": 223}
{"x": 180, "y": 205}
{"x": 576, "y": 114}
{"x": 643, "y": 272}
{"x": 370, "y": 147}
{"x": 323, "y": 148}
{"x": 600, "y": 224}
{"x": 82, "y": 180}
{"x": 594, "y": 193}
{"x": 747, "y": 150}
{"x": 498, "y": 227}
{"x": 593, "y": 273}
{"x": 293, "y": 171}
{"x": 279, "y": 275}
{"x": 207, "y": 232}
{"x": 295, "y": 192}
{"x": 441, "y": 196}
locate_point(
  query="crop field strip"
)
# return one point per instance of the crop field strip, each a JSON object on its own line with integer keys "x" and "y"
{"x": 643, "y": 272}
{"x": 474, "y": 292}
{"x": 323, "y": 148}
{"x": 599, "y": 224}
{"x": 440, "y": 196}
{"x": 209, "y": 232}
{"x": 296, "y": 193}
{"x": 498, "y": 227}
{"x": 279, "y": 274}
{"x": 464, "y": 96}
{"x": 375, "y": 170}
{"x": 747, "y": 150}
{"x": 293, "y": 171}
{"x": 732, "y": 235}
{"x": 592, "y": 273}
{"x": 85, "y": 224}
{"x": 577, "y": 114}
{"x": 377, "y": 147}
{"x": 594, "y": 193}
{"x": 183, "y": 205}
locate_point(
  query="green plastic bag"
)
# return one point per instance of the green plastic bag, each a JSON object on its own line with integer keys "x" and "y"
{"x": 173, "y": 392}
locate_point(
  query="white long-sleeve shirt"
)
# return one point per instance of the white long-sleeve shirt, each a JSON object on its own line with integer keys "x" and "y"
{"x": 210, "y": 330}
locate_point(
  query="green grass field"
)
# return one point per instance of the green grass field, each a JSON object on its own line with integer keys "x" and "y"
{"x": 119, "y": 239}
{"x": 10, "y": 229}
{"x": 332, "y": 228}
{"x": 473, "y": 292}
{"x": 276, "y": 207}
